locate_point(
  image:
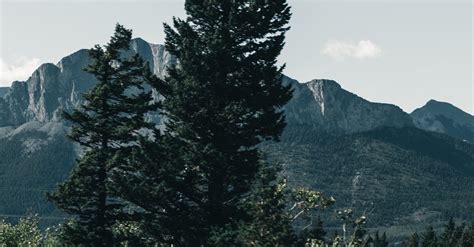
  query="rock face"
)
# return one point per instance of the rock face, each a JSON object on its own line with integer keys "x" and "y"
{"x": 3, "y": 91}
{"x": 319, "y": 104}
{"x": 54, "y": 88}
{"x": 444, "y": 118}
{"x": 324, "y": 105}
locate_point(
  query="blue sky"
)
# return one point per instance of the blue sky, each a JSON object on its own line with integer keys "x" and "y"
{"x": 400, "y": 52}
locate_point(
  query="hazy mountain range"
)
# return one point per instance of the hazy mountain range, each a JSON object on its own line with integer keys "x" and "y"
{"x": 413, "y": 168}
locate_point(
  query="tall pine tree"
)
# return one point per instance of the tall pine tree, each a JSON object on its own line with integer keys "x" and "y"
{"x": 111, "y": 119}
{"x": 222, "y": 100}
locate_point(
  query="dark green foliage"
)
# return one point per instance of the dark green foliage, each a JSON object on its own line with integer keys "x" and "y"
{"x": 313, "y": 231}
{"x": 429, "y": 238}
{"x": 405, "y": 184}
{"x": 467, "y": 239}
{"x": 25, "y": 233}
{"x": 32, "y": 162}
{"x": 380, "y": 242}
{"x": 414, "y": 241}
{"x": 112, "y": 119}
{"x": 452, "y": 235}
{"x": 269, "y": 222}
{"x": 222, "y": 100}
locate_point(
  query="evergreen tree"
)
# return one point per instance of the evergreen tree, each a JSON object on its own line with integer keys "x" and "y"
{"x": 413, "y": 241}
{"x": 222, "y": 100}
{"x": 383, "y": 241}
{"x": 377, "y": 239}
{"x": 270, "y": 222}
{"x": 111, "y": 119}
{"x": 467, "y": 239}
{"x": 448, "y": 237}
{"x": 429, "y": 238}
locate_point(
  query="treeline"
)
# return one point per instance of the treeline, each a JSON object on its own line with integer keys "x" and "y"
{"x": 460, "y": 235}
{"x": 431, "y": 187}
{"x": 26, "y": 175}
{"x": 202, "y": 180}
{"x": 28, "y": 233}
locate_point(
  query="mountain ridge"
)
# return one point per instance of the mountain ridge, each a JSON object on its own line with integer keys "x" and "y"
{"x": 332, "y": 137}
{"x": 443, "y": 117}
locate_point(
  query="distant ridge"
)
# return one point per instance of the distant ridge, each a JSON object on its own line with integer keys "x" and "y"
{"x": 445, "y": 118}
{"x": 324, "y": 105}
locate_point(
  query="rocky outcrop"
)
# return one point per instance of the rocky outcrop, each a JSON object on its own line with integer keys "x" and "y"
{"x": 53, "y": 89}
{"x": 324, "y": 105}
{"x": 444, "y": 118}
{"x": 321, "y": 105}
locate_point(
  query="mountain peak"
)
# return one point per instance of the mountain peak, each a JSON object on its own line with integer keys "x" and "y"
{"x": 325, "y": 82}
{"x": 433, "y": 102}
{"x": 445, "y": 118}
{"x": 444, "y": 108}
{"x": 53, "y": 88}
{"x": 326, "y": 106}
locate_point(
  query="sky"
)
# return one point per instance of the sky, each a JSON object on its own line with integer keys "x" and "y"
{"x": 392, "y": 51}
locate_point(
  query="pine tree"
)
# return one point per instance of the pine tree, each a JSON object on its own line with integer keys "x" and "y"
{"x": 413, "y": 241}
{"x": 383, "y": 241}
{"x": 467, "y": 238}
{"x": 369, "y": 242}
{"x": 222, "y": 100}
{"x": 111, "y": 119}
{"x": 429, "y": 238}
{"x": 270, "y": 222}
{"x": 448, "y": 237}
{"x": 377, "y": 239}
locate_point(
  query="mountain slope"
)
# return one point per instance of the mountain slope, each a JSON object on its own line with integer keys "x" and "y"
{"x": 324, "y": 105}
{"x": 403, "y": 176}
{"x": 360, "y": 152}
{"x": 54, "y": 88}
{"x": 35, "y": 157}
{"x": 3, "y": 91}
{"x": 444, "y": 118}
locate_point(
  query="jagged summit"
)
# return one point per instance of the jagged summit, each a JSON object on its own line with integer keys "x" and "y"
{"x": 323, "y": 104}
{"x": 53, "y": 88}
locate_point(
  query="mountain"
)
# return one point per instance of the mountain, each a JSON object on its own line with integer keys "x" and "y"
{"x": 403, "y": 178}
{"x": 53, "y": 88}
{"x": 323, "y": 105}
{"x": 35, "y": 157}
{"x": 444, "y": 118}
{"x": 361, "y": 152}
{"x": 36, "y": 154}
{"x": 3, "y": 91}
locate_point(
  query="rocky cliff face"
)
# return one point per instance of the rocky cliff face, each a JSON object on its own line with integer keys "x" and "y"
{"x": 324, "y": 105}
{"x": 444, "y": 118}
{"x": 321, "y": 105}
{"x": 54, "y": 88}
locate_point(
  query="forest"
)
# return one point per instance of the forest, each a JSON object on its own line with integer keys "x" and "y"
{"x": 210, "y": 177}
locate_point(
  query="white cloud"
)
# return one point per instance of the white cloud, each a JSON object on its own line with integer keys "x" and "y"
{"x": 340, "y": 50}
{"x": 20, "y": 69}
